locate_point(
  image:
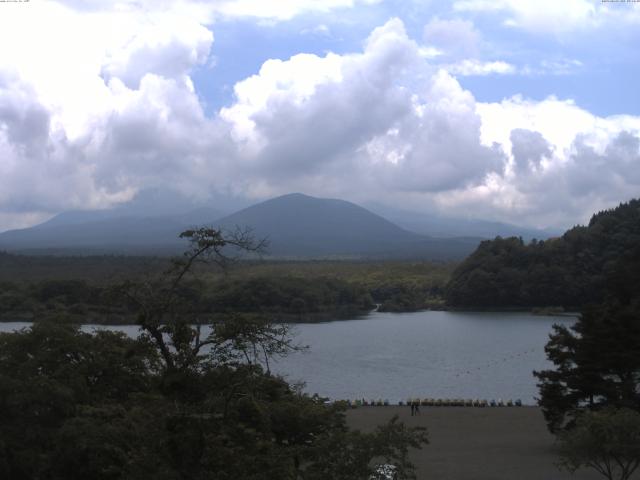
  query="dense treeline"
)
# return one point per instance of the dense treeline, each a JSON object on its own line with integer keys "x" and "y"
{"x": 296, "y": 299}
{"x": 74, "y": 300}
{"x": 99, "y": 269}
{"x": 286, "y": 291}
{"x": 569, "y": 271}
{"x": 289, "y": 295}
{"x": 394, "y": 286}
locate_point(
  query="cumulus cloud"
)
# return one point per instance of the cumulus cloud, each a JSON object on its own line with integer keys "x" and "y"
{"x": 363, "y": 115}
{"x": 162, "y": 48}
{"x": 87, "y": 124}
{"x": 560, "y": 155}
{"x": 528, "y": 149}
{"x": 41, "y": 170}
{"x": 80, "y": 111}
{"x": 606, "y": 173}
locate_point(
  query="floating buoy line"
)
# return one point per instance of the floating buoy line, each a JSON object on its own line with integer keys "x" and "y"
{"x": 486, "y": 366}
{"x": 449, "y": 402}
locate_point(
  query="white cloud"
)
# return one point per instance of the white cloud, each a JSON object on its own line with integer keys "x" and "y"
{"x": 563, "y": 66}
{"x": 62, "y": 97}
{"x": 40, "y": 168}
{"x": 281, "y": 9}
{"x": 96, "y": 113}
{"x": 209, "y": 10}
{"x": 362, "y": 114}
{"x": 543, "y": 16}
{"x": 321, "y": 29}
{"x": 458, "y": 38}
{"x": 164, "y": 47}
{"x": 559, "y": 121}
{"x": 470, "y": 67}
{"x": 457, "y": 44}
{"x": 560, "y": 155}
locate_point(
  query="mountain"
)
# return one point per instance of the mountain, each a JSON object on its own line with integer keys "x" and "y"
{"x": 148, "y": 224}
{"x": 106, "y": 232}
{"x": 298, "y": 225}
{"x": 444, "y": 226}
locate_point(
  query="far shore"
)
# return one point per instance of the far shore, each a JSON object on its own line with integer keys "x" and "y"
{"x": 324, "y": 317}
{"x": 477, "y": 443}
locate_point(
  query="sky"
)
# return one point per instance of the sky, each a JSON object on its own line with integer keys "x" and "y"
{"x": 525, "y": 112}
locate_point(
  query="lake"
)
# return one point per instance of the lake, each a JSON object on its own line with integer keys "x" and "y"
{"x": 393, "y": 356}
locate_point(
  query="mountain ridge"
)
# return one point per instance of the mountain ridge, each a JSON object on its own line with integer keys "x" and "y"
{"x": 297, "y": 226}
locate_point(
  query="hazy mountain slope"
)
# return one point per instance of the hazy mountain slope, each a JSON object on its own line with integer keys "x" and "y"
{"x": 444, "y": 226}
{"x": 296, "y": 225}
{"x": 299, "y": 225}
{"x": 102, "y": 232}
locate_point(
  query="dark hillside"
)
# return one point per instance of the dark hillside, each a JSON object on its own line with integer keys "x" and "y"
{"x": 570, "y": 271}
{"x": 297, "y": 225}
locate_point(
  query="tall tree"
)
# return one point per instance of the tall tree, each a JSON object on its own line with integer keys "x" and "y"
{"x": 597, "y": 360}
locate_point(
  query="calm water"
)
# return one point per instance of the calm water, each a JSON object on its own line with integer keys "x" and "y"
{"x": 427, "y": 354}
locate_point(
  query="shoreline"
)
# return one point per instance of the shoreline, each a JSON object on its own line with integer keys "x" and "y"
{"x": 23, "y": 317}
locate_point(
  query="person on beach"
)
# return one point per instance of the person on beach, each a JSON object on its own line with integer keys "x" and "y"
{"x": 413, "y": 408}
{"x": 417, "y": 407}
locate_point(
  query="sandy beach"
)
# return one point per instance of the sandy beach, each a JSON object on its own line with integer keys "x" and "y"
{"x": 510, "y": 443}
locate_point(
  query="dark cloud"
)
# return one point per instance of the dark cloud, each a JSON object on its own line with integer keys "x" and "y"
{"x": 528, "y": 149}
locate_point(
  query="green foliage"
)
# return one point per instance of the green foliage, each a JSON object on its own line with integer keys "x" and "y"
{"x": 77, "y": 406}
{"x": 347, "y": 455}
{"x": 285, "y": 297}
{"x": 173, "y": 404}
{"x": 47, "y": 373}
{"x": 597, "y": 361}
{"x": 98, "y": 269}
{"x": 396, "y": 286}
{"x": 570, "y": 271}
{"x": 607, "y": 441}
{"x": 284, "y": 291}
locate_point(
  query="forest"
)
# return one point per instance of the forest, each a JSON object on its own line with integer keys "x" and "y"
{"x": 569, "y": 272}
{"x": 84, "y": 289}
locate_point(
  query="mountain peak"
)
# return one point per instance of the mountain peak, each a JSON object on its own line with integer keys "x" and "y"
{"x": 296, "y": 226}
{"x": 299, "y": 225}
